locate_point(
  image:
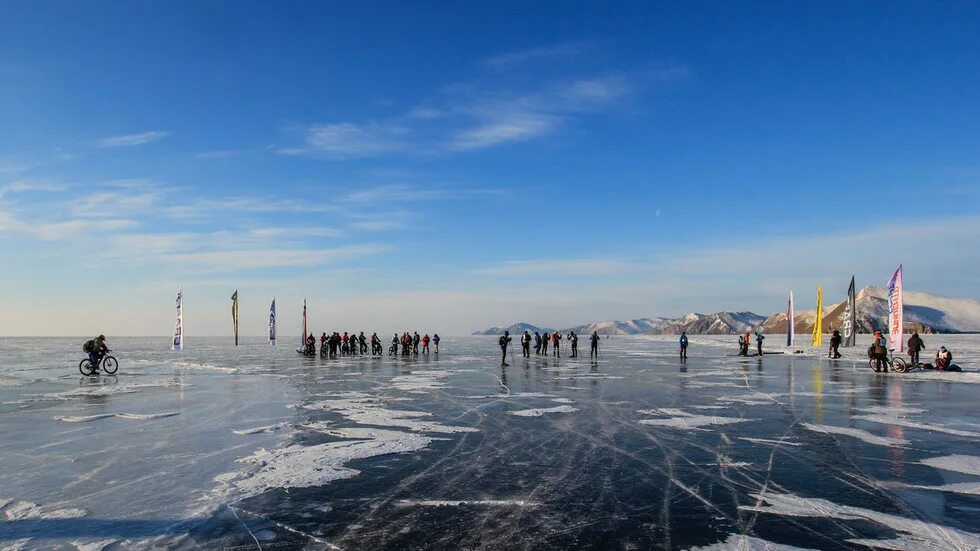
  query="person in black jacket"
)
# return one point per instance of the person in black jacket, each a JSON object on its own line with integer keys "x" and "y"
{"x": 504, "y": 341}
{"x": 594, "y": 342}
{"x": 526, "y": 344}
{"x": 915, "y": 346}
{"x": 835, "y": 341}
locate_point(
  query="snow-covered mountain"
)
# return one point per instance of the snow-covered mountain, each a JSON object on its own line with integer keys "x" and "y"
{"x": 517, "y": 328}
{"x": 632, "y": 327}
{"x": 924, "y": 312}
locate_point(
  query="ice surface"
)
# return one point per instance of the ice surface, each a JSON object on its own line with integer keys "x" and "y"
{"x": 253, "y": 447}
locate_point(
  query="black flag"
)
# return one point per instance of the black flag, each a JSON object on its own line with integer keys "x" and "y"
{"x": 850, "y": 317}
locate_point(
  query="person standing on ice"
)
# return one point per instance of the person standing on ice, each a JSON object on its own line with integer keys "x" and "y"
{"x": 526, "y": 344}
{"x": 915, "y": 346}
{"x": 573, "y": 338}
{"x": 537, "y": 343}
{"x": 544, "y": 343}
{"x": 504, "y": 341}
{"x": 556, "y": 344}
{"x": 683, "y": 343}
{"x": 435, "y": 341}
{"x": 835, "y": 341}
{"x": 425, "y": 344}
{"x": 416, "y": 339}
{"x": 594, "y": 342}
{"x": 758, "y": 341}
{"x": 879, "y": 352}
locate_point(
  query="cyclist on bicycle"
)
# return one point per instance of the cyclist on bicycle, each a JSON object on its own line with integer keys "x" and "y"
{"x": 96, "y": 348}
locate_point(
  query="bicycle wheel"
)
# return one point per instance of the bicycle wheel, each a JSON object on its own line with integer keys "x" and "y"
{"x": 872, "y": 365}
{"x": 85, "y": 367}
{"x": 899, "y": 365}
{"x": 110, "y": 365}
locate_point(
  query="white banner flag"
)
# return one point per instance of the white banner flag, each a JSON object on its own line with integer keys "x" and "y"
{"x": 179, "y": 328}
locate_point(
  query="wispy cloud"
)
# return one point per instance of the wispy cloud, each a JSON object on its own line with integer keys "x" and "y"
{"x": 131, "y": 140}
{"x": 347, "y": 140}
{"x": 551, "y": 267}
{"x": 25, "y": 186}
{"x": 247, "y": 259}
{"x": 491, "y": 110}
{"x": 511, "y": 59}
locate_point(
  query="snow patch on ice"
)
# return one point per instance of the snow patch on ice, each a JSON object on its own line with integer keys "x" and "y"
{"x": 93, "y": 545}
{"x": 466, "y": 502}
{"x": 896, "y": 420}
{"x": 538, "y": 412}
{"x": 298, "y": 466}
{"x": 421, "y": 381}
{"x": 26, "y": 510}
{"x": 193, "y": 365}
{"x": 367, "y": 410}
{"x": 967, "y": 464}
{"x": 562, "y": 401}
{"x": 130, "y": 416}
{"x": 259, "y": 430}
{"x": 680, "y": 419}
{"x": 741, "y": 542}
{"x": 857, "y": 433}
{"x": 915, "y": 534}
{"x": 780, "y": 442}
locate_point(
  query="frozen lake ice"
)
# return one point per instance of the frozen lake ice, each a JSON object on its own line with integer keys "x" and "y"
{"x": 220, "y": 447}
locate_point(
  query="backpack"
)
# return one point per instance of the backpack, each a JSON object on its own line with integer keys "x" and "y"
{"x": 88, "y": 346}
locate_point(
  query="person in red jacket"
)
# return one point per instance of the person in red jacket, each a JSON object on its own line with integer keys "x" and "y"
{"x": 425, "y": 344}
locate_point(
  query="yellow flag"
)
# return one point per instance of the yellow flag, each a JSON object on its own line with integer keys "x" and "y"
{"x": 817, "y": 338}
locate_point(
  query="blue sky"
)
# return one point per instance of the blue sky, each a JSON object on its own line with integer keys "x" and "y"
{"x": 454, "y": 166}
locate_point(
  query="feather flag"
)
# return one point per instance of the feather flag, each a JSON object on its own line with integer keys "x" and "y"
{"x": 790, "y": 337}
{"x": 850, "y": 317}
{"x": 302, "y": 337}
{"x": 896, "y": 312}
{"x": 234, "y": 314}
{"x": 272, "y": 323}
{"x": 179, "y": 328}
{"x": 817, "y": 338}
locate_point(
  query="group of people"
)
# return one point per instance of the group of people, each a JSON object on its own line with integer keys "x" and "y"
{"x": 878, "y": 352}
{"x": 743, "y": 343}
{"x": 541, "y": 344}
{"x": 410, "y": 344}
{"x": 349, "y": 344}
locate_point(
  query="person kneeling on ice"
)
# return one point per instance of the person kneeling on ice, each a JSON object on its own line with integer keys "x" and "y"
{"x": 944, "y": 360}
{"x": 503, "y": 342}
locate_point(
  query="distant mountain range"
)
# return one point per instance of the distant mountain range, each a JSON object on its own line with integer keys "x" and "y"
{"x": 924, "y": 312}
